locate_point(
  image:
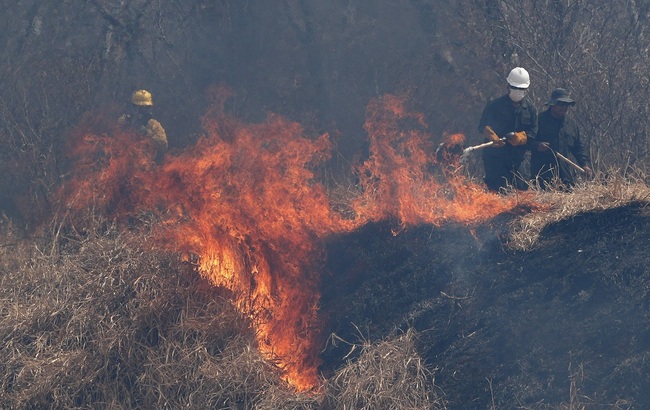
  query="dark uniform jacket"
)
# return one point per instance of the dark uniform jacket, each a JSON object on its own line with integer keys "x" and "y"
{"x": 503, "y": 116}
{"x": 563, "y": 136}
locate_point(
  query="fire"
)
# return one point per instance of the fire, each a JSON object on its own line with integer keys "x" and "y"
{"x": 246, "y": 202}
{"x": 404, "y": 179}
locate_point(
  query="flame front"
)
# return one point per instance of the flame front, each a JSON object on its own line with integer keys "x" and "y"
{"x": 405, "y": 179}
{"x": 245, "y": 201}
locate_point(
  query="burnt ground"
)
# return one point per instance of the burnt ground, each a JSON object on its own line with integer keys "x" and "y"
{"x": 564, "y": 322}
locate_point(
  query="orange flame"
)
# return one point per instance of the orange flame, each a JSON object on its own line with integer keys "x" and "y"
{"x": 245, "y": 200}
{"x": 404, "y": 180}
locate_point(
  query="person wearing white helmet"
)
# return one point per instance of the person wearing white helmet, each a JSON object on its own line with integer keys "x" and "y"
{"x": 515, "y": 113}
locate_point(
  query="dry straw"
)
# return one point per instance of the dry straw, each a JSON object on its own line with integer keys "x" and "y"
{"x": 91, "y": 318}
{"x": 607, "y": 191}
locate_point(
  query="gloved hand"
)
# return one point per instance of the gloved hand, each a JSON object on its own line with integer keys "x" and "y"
{"x": 543, "y": 147}
{"x": 518, "y": 138}
{"x": 588, "y": 172}
{"x": 490, "y": 135}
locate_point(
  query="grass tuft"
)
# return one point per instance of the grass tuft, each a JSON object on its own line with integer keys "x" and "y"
{"x": 605, "y": 192}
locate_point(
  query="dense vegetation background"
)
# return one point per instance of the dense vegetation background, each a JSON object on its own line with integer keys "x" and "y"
{"x": 318, "y": 64}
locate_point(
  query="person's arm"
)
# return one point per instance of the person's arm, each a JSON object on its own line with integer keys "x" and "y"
{"x": 531, "y": 130}
{"x": 486, "y": 118}
{"x": 157, "y": 133}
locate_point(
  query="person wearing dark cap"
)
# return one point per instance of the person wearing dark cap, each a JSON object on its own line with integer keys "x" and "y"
{"x": 558, "y": 145}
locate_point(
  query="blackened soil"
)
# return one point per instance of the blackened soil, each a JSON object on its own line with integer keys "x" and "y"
{"x": 570, "y": 318}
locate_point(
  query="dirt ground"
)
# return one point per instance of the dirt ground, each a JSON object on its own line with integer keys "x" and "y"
{"x": 564, "y": 323}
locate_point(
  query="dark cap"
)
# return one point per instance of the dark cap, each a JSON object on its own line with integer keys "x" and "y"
{"x": 560, "y": 95}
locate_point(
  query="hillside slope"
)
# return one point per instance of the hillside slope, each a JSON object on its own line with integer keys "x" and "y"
{"x": 93, "y": 317}
{"x": 564, "y": 321}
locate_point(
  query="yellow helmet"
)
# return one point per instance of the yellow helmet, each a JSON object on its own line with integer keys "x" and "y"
{"x": 142, "y": 98}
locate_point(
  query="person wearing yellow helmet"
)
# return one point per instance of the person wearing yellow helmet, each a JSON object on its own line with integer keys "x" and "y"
{"x": 141, "y": 118}
{"x": 142, "y": 98}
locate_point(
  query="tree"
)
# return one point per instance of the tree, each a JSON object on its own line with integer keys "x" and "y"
{"x": 598, "y": 50}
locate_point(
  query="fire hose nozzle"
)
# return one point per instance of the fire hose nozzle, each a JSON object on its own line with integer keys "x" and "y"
{"x": 513, "y": 138}
{"x": 484, "y": 145}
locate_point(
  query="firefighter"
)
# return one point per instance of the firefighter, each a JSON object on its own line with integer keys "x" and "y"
{"x": 558, "y": 134}
{"x": 512, "y": 112}
{"x": 142, "y": 120}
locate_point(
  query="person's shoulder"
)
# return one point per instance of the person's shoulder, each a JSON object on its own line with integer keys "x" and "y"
{"x": 569, "y": 121}
{"x": 152, "y": 122}
{"x": 569, "y": 118}
{"x": 123, "y": 119}
{"x": 500, "y": 100}
{"x": 155, "y": 126}
{"x": 528, "y": 103}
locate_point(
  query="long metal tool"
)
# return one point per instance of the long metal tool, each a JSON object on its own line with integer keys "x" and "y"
{"x": 568, "y": 161}
{"x": 510, "y": 137}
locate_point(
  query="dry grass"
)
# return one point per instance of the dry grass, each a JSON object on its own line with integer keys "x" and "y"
{"x": 341, "y": 194}
{"x": 387, "y": 375}
{"x": 93, "y": 319}
{"x": 602, "y": 193}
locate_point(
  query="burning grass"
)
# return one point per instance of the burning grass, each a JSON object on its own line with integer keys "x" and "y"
{"x": 98, "y": 317}
{"x": 245, "y": 200}
{"x": 611, "y": 191}
{"x": 93, "y": 318}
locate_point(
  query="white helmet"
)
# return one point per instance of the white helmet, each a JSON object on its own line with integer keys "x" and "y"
{"x": 519, "y": 78}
